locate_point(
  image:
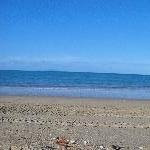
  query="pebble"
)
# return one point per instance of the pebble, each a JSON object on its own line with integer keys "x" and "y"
{"x": 14, "y": 148}
{"x": 101, "y": 147}
{"x": 72, "y": 141}
{"x": 85, "y": 143}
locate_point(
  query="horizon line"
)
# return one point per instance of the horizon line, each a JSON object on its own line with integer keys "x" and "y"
{"x": 75, "y": 72}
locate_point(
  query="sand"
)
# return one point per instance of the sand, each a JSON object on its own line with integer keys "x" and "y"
{"x": 88, "y": 124}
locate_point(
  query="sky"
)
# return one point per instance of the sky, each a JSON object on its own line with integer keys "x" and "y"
{"x": 75, "y": 35}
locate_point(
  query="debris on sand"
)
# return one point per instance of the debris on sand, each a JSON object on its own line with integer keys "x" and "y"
{"x": 140, "y": 148}
{"x": 117, "y": 147}
{"x": 63, "y": 143}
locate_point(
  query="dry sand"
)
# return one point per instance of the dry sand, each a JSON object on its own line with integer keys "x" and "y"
{"x": 35, "y": 122}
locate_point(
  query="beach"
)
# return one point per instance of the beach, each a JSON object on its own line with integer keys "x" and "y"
{"x": 36, "y": 122}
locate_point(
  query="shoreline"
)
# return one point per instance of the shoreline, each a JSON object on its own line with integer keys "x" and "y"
{"x": 74, "y": 99}
{"x": 95, "y": 93}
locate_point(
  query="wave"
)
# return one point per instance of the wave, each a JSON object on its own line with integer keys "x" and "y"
{"x": 108, "y": 93}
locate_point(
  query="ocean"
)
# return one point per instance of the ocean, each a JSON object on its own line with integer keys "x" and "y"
{"x": 74, "y": 84}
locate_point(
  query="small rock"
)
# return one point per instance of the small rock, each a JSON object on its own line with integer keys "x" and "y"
{"x": 72, "y": 141}
{"x": 54, "y": 138}
{"x": 101, "y": 147}
{"x": 85, "y": 143}
{"x": 1, "y": 148}
{"x": 117, "y": 147}
{"x": 14, "y": 148}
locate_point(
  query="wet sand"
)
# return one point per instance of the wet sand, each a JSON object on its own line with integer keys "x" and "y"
{"x": 35, "y": 122}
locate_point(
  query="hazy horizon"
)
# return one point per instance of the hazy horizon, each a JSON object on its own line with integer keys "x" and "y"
{"x": 74, "y": 72}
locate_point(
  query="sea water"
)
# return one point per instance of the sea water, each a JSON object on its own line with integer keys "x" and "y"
{"x": 74, "y": 84}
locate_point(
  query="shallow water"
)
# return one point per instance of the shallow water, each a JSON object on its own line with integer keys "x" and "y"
{"x": 55, "y": 83}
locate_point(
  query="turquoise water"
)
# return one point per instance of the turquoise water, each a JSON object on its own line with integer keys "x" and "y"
{"x": 56, "y": 83}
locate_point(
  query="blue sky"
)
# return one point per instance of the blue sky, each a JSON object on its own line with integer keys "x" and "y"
{"x": 75, "y": 35}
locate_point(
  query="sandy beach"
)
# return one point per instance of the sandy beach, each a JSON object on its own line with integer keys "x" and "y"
{"x": 87, "y": 124}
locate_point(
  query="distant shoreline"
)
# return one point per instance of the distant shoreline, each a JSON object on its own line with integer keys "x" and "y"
{"x": 115, "y": 73}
